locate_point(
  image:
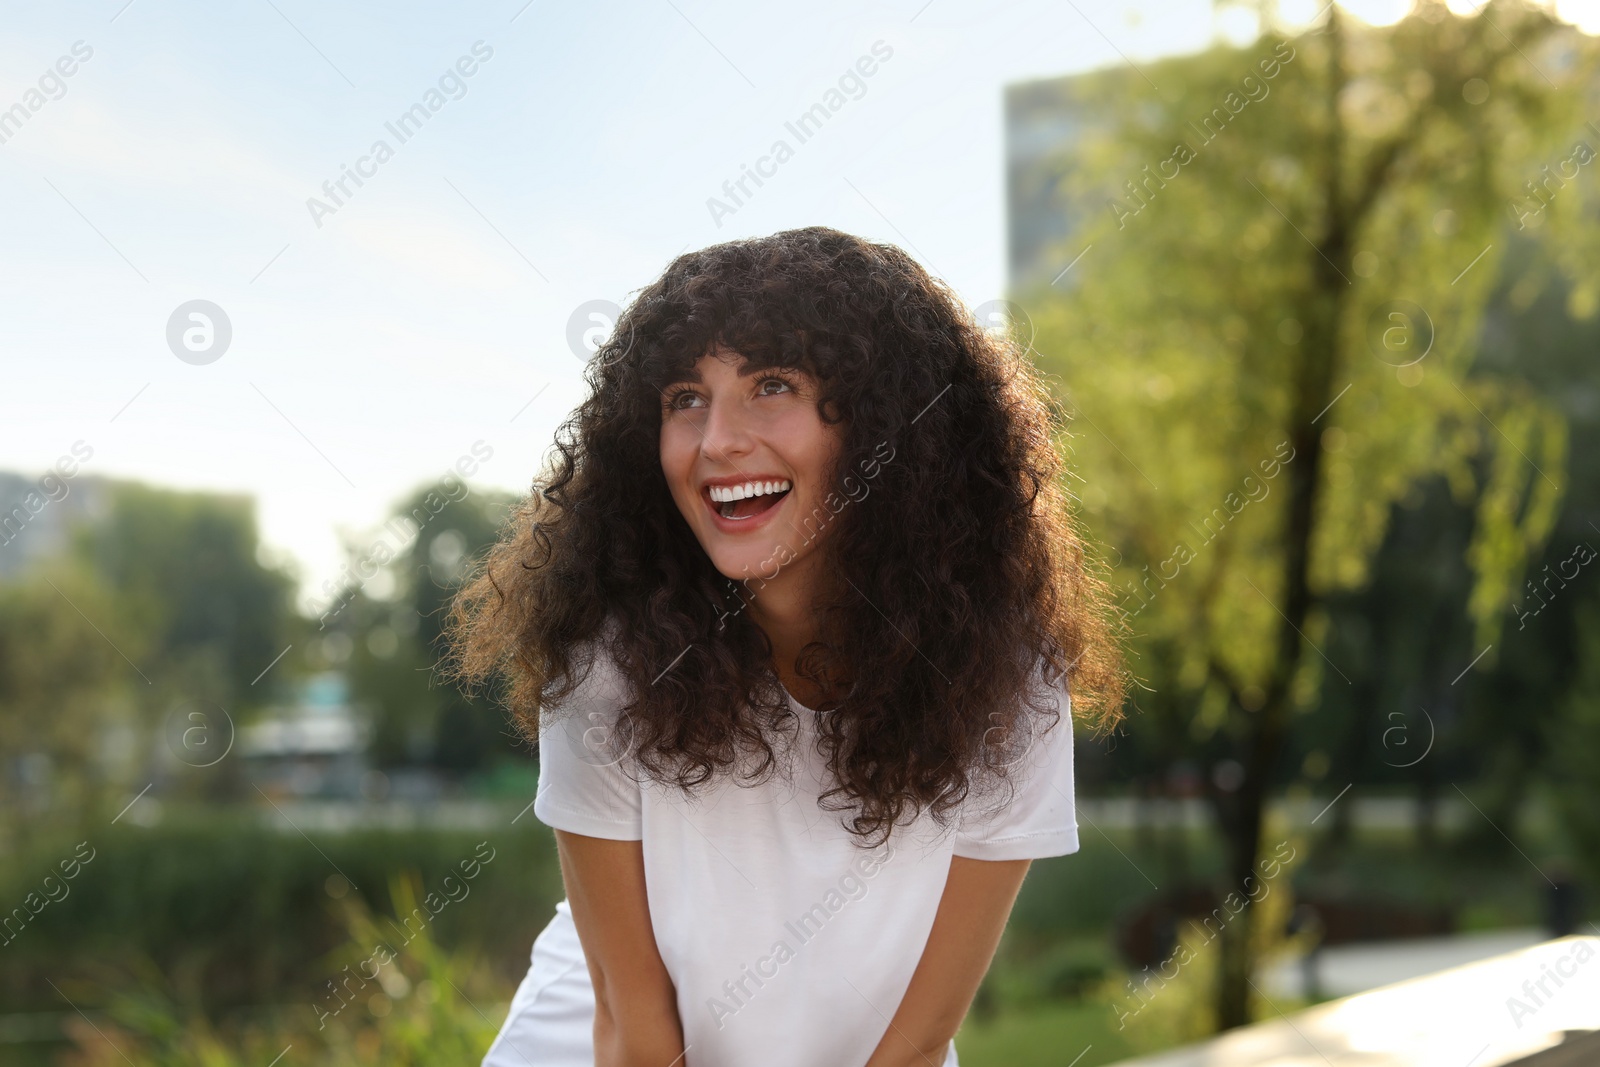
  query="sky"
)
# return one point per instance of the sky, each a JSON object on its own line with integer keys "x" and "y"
{"x": 379, "y": 333}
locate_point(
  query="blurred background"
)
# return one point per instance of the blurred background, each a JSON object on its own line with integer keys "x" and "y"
{"x": 295, "y": 296}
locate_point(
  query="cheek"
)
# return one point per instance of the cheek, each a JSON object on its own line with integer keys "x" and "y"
{"x": 677, "y": 464}
{"x": 677, "y": 454}
{"x": 811, "y": 446}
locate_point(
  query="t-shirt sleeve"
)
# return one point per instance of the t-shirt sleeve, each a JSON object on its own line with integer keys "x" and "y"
{"x": 1041, "y": 819}
{"x": 584, "y": 787}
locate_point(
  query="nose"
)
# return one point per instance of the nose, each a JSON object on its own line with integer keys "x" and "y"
{"x": 726, "y": 434}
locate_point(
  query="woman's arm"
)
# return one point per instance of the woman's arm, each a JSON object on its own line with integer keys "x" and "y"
{"x": 966, "y": 931}
{"x": 635, "y": 1006}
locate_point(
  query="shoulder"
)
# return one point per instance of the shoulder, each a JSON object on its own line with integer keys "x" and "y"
{"x": 1023, "y": 781}
{"x": 594, "y": 679}
{"x": 1045, "y": 711}
{"x": 1044, "y": 726}
{"x": 586, "y": 783}
{"x": 591, "y": 711}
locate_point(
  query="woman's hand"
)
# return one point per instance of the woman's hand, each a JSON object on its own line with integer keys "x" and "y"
{"x": 636, "y": 1020}
{"x": 966, "y": 931}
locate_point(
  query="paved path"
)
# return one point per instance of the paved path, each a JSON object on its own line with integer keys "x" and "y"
{"x": 1343, "y": 970}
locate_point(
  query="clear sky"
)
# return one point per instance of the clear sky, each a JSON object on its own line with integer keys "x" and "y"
{"x": 377, "y": 338}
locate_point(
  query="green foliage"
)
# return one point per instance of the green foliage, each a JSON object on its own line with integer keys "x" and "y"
{"x": 396, "y": 638}
{"x": 1281, "y": 258}
{"x": 416, "y": 1013}
{"x": 1575, "y": 747}
{"x": 1185, "y": 332}
{"x": 1044, "y": 1037}
{"x": 185, "y": 569}
{"x": 194, "y": 895}
{"x": 63, "y": 678}
{"x": 160, "y": 603}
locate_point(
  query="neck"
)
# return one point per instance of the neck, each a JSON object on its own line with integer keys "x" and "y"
{"x": 784, "y": 609}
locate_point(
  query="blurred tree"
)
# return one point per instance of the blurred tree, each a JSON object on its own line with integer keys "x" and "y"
{"x": 1266, "y": 341}
{"x": 1400, "y": 640}
{"x": 68, "y": 672}
{"x": 1406, "y": 638}
{"x": 160, "y": 603}
{"x": 1574, "y": 738}
{"x": 1543, "y": 328}
{"x": 188, "y": 569}
{"x": 436, "y": 535}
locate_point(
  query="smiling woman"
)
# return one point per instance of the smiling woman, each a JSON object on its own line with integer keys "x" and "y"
{"x": 713, "y": 650}
{"x": 744, "y": 452}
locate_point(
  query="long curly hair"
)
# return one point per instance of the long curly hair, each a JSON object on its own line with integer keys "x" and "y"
{"x": 960, "y": 578}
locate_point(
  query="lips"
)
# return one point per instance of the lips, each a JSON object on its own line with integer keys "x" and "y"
{"x": 742, "y": 505}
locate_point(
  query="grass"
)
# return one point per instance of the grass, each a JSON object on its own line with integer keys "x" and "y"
{"x": 411, "y": 1012}
{"x": 1046, "y": 1037}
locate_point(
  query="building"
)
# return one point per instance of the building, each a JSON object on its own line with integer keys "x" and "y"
{"x": 37, "y": 515}
{"x": 314, "y": 746}
{"x": 1046, "y": 122}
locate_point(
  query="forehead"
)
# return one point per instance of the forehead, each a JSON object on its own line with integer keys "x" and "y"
{"x": 713, "y": 361}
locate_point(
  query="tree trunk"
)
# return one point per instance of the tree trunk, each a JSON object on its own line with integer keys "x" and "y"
{"x": 1312, "y": 396}
{"x": 1241, "y": 815}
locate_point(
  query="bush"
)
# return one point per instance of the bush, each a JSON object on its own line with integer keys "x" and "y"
{"x": 250, "y": 910}
{"x": 412, "y": 1012}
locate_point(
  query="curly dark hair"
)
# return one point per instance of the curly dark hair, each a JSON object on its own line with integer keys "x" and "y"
{"x": 963, "y": 582}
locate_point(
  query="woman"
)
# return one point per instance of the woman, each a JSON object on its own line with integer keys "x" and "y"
{"x": 793, "y": 618}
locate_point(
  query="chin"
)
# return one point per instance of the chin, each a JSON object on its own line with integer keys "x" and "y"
{"x": 746, "y": 563}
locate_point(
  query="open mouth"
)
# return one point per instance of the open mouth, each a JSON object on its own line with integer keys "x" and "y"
{"x": 747, "y": 499}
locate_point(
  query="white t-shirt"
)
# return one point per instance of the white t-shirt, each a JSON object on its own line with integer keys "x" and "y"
{"x": 788, "y": 944}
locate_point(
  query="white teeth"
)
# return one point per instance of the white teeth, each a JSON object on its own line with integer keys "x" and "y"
{"x": 723, "y": 494}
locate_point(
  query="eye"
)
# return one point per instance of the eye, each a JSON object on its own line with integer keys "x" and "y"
{"x": 680, "y": 399}
{"x": 765, "y": 387}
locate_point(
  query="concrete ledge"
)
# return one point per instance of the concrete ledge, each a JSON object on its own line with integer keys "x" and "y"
{"x": 1493, "y": 1013}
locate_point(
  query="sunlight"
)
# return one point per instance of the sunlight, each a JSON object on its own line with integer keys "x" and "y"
{"x": 1378, "y": 12}
{"x": 1584, "y": 14}
{"x": 1239, "y": 26}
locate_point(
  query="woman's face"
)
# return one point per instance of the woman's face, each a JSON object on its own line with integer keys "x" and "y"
{"x": 746, "y": 455}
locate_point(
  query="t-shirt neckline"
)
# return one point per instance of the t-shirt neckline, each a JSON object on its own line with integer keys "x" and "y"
{"x": 795, "y": 702}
